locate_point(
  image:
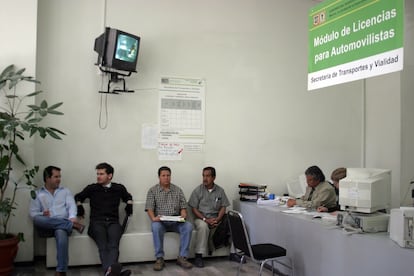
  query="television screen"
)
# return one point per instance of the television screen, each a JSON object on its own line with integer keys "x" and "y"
{"x": 117, "y": 50}
{"x": 126, "y": 48}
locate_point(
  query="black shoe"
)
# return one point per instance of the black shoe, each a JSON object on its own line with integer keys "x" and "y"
{"x": 126, "y": 272}
{"x": 114, "y": 270}
{"x": 198, "y": 262}
{"x": 234, "y": 257}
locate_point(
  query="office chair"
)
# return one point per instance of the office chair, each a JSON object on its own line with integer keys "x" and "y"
{"x": 259, "y": 253}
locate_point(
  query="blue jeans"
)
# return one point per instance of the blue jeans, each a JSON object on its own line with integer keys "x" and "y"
{"x": 106, "y": 235}
{"x": 185, "y": 230}
{"x": 62, "y": 228}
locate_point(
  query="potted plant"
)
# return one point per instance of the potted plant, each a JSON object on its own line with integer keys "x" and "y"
{"x": 18, "y": 121}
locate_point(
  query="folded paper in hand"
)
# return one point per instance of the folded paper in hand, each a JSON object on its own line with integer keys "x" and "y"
{"x": 172, "y": 218}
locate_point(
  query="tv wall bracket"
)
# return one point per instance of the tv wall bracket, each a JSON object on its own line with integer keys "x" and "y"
{"x": 115, "y": 78}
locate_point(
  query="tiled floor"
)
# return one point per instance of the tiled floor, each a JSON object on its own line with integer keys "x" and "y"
{"x": 213, "y": 266}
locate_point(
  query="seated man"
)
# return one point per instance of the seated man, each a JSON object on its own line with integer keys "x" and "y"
{"x": 54, "y": 213}
{"x": 336, "y": 175}
{"x": 318, "y": 193}
{"x": 208, "y": 202}
{"x": 104, "y": 228}
{"x": 167, "y": 199}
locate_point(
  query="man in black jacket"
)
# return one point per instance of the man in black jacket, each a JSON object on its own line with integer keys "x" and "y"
{"x": 104, "y": 227}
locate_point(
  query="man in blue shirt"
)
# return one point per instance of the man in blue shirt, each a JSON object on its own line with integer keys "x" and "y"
{"x": 54, "y": 213}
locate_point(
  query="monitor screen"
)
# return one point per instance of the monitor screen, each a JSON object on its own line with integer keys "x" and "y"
{"x": 365, "y": 190}
{"x": 117, "y": 50}
{"x": 126, "y": 48}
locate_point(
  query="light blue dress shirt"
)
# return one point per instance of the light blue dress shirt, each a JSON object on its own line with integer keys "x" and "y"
{"x": 60, "y": 204}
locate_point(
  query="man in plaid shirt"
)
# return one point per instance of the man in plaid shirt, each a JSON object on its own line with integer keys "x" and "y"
{"x": 167, "y": 199}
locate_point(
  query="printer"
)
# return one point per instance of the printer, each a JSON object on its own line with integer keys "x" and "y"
{"x": 401, "y": 226}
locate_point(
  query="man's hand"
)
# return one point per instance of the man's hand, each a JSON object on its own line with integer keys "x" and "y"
{"x": 212, "y": 222}
{"x": 81, "y": 211}
{"x": 322, "y": 209}
{"x": 46, "y": 213}
{"x": 291, "y": 202}
{"x": 128, "y": 209}
{"x": 156, "y": 218}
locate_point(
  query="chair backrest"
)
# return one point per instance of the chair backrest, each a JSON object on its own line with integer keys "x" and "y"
{"x": 239, "y": 233}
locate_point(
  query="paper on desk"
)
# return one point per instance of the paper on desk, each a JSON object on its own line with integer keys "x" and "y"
{"x": 295, "y": 210}
{"x": 268, "y": 202}
{"x": 172, "y": 218}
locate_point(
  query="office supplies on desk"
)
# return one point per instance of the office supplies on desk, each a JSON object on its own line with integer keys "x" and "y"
{"x": 251, "y": 192}
{"x": 268, "y": 202}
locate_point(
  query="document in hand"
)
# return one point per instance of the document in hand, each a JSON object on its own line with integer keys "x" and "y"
{"x": 172, "y": 218}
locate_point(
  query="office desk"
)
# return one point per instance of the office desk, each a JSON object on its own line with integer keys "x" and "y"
{"x": 319, "y": 249}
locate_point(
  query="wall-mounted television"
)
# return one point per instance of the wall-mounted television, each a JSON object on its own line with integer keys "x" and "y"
{"x": 117, "y": 50}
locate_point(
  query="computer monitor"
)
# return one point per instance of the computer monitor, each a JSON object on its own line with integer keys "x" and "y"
{"x": 365, "y": 190}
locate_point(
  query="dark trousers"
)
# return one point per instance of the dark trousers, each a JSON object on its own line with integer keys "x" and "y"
{"x": 106, "y": 235}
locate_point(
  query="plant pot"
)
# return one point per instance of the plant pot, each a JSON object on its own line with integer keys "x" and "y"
{"x": 8, "y": 251}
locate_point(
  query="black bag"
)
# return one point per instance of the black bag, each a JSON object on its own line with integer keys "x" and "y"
{"x": 221, "y": 236}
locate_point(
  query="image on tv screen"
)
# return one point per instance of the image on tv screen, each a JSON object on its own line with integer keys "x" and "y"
{"x": 126, "y": 48}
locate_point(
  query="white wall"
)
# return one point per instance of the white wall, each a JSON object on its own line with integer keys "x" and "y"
{"x": 18, "y": 24}
{"x": 262, "y": 125}
{"x": 272, "y": 128}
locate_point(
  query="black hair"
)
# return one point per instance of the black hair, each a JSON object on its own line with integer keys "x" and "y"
{"x": 105, "y": 166}
{"x": 316, "y": 173}
{"x": 211, "y": 169}
{"x": 48, "y": 171}
{"x": 163, "y": 168}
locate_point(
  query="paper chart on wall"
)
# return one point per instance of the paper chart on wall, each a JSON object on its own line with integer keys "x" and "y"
{"x": 181, "y": 110}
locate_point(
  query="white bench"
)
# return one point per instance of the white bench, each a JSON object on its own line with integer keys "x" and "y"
{"x": 136, "y": 243}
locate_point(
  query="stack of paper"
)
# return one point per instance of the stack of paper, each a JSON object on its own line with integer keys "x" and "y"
{"x": 172, "y": 218}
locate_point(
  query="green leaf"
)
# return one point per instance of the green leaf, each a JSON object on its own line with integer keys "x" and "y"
{"x": 42, "y": 132}
{"x": 34, "y": 120}
{"x": 20, "y": 159}
{"x": 43, "y": 112}
{"x": 43, "y": 104}
{"x": 34, "y": 107}
{"x": 53, "y": 134}
{"x": 33, "y": 194}
{"x": 20, "y": 72}
{"x": 4, "y": 161}
{"x": 34, "y": 93}
{"x": 6, "y": 72}
{"x": 20, "y": 236}
{"x": 29, "y": 115}
{"x": 33, "y": 130}
{"x": 54, "y": 112}
{"x": 55, "y": 106}
{"x": 57, "y": 130}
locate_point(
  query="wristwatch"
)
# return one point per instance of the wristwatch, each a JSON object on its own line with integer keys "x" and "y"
{"x": 204, "y": 219}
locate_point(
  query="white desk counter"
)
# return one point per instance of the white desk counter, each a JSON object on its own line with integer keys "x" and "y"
{"x": 318, "y": 249}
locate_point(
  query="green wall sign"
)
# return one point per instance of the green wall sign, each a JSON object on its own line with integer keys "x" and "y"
{"x": 354, "y": 39}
